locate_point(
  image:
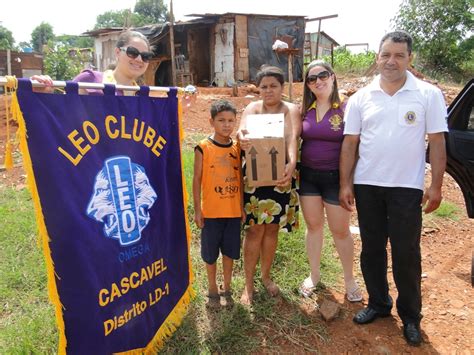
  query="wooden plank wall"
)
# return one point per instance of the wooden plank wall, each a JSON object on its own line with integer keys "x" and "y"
{"x": 27, "y": 61}
{"x": 241, "y": 61}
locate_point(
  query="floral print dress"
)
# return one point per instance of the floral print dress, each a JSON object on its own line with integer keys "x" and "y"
{"x": 272, "y": 205}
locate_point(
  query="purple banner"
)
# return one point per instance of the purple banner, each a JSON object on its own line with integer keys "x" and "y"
{"x": 108, "y": 177}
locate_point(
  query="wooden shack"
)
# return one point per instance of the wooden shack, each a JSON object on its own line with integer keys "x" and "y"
{"x": 213, "y": 49}
{"x": 22, "y": 64}
{"x": 326, "y": 45}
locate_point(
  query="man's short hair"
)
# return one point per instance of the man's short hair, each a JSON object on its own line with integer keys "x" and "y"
{"x": 220, "y": 106}
{"x": 398, "y": 37}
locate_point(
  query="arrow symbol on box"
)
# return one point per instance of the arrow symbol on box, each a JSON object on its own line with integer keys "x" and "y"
{"x": 253, "y": 157}
{"x": 273, "y": 152}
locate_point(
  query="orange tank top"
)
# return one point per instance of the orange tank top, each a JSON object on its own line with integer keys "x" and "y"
{"x": 220, "y": 183}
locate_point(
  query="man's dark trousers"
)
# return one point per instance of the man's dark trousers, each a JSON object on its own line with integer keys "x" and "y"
{"x": 395, "y": 213}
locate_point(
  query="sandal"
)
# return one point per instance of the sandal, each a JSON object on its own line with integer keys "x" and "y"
{"x": 307, "y": 288}
{"x": 224, "y": 293}
{"x": 354, "y": 294}
{"x": 213, "y": 301}
{"x": 227, "y": 296}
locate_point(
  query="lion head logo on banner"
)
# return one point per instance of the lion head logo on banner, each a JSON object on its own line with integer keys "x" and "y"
{"x": 121, "y": 199}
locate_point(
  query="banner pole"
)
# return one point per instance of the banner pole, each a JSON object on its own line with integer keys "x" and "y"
{"x": 62, "y": 84}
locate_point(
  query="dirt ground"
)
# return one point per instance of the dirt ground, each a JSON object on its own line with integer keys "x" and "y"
{"x": 447, "y": 246}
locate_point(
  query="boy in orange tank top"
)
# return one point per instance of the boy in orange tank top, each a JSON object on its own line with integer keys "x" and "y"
{"x": 217, "y": 193}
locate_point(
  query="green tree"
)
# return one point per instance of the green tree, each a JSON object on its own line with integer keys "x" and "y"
{"x": 346, "y": 62}
{"x": 24, "y": 44}
{"x": 41, "y": 35}
{"x": 6, "y": 38}
{"x": 154, "y": 10}
{"x": 121, "y": 18}
{"x": 439, "y": 29}
{"x": 75, "y": 41}
{"x": 60, "y": 63}
{"x": 112, "y": 19}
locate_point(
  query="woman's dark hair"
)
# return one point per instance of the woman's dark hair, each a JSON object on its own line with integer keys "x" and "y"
{"x": 308, "y": 96}
{"x": 268, "y": 70}
{"x": 127, "y": 36}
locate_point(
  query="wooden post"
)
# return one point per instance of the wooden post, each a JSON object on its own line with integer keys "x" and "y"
{"x": 173, "y": 68}
{"x": 366, "y": 45}
{"x": 9, "y": 62}
{"x": 319, "y": 28}
{"x": 290, "y": 75}
{"x": 290, "y": 52}
{"x": 317, "y": 41}
{"x": 332, "y": 54}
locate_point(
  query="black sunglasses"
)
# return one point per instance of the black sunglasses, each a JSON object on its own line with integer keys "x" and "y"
{"x": 133, "y": 53}
{"x": 323, "y": 76}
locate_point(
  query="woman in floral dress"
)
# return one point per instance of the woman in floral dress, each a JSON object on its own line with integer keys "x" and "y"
{"x": 269, "y": 208}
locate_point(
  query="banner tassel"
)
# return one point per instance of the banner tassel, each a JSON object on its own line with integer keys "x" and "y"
{"x": 8, "y": 146}
{"x": 8, "y": 155}
{"x": 174, "y": 319}
{"x": 185, "y": 190}
{"x": 42, "y": 231}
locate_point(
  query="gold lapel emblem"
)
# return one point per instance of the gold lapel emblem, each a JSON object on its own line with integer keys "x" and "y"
{"x": 410, "y": 117}
{"x": 335, "y": 121}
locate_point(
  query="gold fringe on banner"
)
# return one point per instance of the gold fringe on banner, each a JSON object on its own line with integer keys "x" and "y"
{"x": 9, "y": 87}
{"x": 8, "y": 154}
{"x": 174, "y": 319}
{"x": 43, "y": 232}
{"x": 176, "y": 316}
{"x": 185, "y": 190}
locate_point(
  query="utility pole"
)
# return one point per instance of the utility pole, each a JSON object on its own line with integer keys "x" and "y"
{"x": 319, "y": 28}
{"x": 9, "y": 62}
{"x": 173, "y": 68}
{"x": 290, "y": 52}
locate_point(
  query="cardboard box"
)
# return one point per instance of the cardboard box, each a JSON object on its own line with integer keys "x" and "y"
{"x": 265, "y": 159}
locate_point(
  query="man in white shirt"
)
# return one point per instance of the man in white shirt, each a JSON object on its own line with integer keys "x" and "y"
{"x": 382, "y": 166}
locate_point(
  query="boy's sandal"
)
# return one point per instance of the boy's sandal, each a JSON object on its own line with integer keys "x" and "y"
{"x": 307, "y": 288}
{"x": 354, "y": 295}
{"x": 213, "y": 301}
{"x": 225, "y": 294}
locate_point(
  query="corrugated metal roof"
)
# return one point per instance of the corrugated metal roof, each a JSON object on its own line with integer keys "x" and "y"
{"x": 153, "y": 32}
{"x": 330, "y": 38}
{"x": 244, "y": 14}
{"x": 101, "y": 31}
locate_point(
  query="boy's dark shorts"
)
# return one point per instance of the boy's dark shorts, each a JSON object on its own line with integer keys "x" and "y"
{"x": 324, "y": 183}
{"x": 220, "y": 234}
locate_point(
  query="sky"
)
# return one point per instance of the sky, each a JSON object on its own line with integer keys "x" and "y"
{"x": 356, "y": 22}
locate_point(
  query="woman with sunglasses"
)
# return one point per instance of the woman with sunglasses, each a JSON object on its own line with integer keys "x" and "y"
{"x": 269, "y": 208}
{"x": 322, "y": 135}
{"x": 132, "y": 53}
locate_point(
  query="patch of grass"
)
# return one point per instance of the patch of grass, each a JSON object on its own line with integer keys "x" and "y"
{"x": 191, "y": 140}
{"x": 27, "y": 317}
{"x": 209, "y": 332}
{"x": 247, "y": 330}
{"x": 447, "y": 210}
